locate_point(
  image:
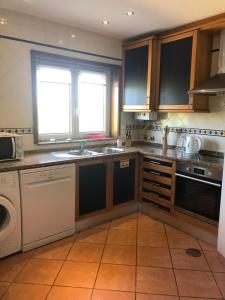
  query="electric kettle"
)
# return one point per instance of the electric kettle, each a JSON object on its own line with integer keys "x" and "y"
{"x": 193, "y": 144}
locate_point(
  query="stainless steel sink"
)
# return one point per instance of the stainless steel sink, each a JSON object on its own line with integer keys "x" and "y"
{"x": 75, "y": 153}
{"x": 88, "y": 152}
{"x": 108, "y": 150}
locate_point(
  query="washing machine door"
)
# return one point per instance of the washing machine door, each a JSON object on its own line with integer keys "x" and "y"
{"x": 7, "y": 218}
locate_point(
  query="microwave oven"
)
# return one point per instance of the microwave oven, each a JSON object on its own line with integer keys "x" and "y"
{"x": 11, "y": 146}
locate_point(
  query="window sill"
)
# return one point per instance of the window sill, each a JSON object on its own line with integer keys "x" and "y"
{"x": 40, "y": 143}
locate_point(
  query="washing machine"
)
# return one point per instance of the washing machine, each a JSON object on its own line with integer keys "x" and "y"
{"x": 10, "y": 214}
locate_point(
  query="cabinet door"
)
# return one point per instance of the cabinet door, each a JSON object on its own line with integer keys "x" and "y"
{"x": 175, "y": 71}
{"x": 136, "y": 75}
{"x": 92, "y": 188}
{"x": 124, "y": 180}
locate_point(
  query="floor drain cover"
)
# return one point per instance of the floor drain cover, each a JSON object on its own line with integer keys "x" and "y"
{"x": 193, "y": 252}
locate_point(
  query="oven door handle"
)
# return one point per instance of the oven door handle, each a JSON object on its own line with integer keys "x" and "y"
{"x": 199, "y": 180}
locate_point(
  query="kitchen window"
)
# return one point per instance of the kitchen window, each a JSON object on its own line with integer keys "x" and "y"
{"x": 72, "y": 99}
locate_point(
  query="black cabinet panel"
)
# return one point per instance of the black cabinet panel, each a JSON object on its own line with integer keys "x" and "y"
{"x": 175, "y": 68}
{"x": 123, "y": 182}
{"x": 135, "y": 76}
{"x": 92, "y": 188}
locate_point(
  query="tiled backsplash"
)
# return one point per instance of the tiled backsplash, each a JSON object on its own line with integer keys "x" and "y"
{"x": 198, "y": 131}
{"x": 18, "y": 130}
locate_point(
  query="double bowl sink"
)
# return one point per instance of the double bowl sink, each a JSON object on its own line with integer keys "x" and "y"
{"x": 88, "y": 152}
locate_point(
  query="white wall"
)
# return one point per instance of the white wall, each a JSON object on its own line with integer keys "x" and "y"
{"x": 15, "y": 67}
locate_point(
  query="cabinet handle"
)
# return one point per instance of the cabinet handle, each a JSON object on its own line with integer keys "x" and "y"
{"x": 155, "y": 173}
{"x": 154, "y": 162}
{"x": 154, "y": 183}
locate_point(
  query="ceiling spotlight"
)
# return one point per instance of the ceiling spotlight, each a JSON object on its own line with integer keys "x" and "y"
{"x": 130, "y": 13}
{"x": 73, "y": 36}
{"x": 105, "y": 22}
{"x": 3, "y": 21}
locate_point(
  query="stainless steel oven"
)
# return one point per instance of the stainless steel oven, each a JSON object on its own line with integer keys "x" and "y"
{"x": 198, "y": 192}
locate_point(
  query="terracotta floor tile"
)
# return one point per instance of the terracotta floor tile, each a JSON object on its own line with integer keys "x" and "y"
{"x": 206, "y": 246}
{"x": 156, "y": 281}
{"x": 170, "y": 229}
{"x": 3, "y": 287}
{"x": 56, "y": 250}
{"x": 150, "y": 224}
{"x": 121, "y": 237}
{"x": 214, "y": 262}
{"x": 77, "y": 274}
{"x": 92, "y": 236}
{"x": 88, "y": 252}
{"x": 21, "y": 291}
{"x": 112, "y": 295}
{"x": 124, "y": 224}
{"x": 11, "y": 266}
{"x": 220, "y": 280}
{"x": 196, "y": 284}
{"x": 69, "y": 293}
{"x": 116, "y": 277}
{"x": 182, "y": 241}
{"x": 155, "y": 297}
{"x": 181, "y": 260}
{"x": 152, "y": 239}
{"x": 119, "y": 254}
{"x": 40, "y": 271}
{"x": 153, "y": 257}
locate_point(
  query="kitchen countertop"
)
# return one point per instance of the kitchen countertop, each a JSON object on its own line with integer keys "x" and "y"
{"x": 41, "y": 159}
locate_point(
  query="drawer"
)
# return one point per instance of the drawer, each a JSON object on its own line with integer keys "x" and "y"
{"x": 152, "y": 165}
{"x": 156, "y": 198}
{"x": 156, "y": 188}
{"x": 156, "y": 176}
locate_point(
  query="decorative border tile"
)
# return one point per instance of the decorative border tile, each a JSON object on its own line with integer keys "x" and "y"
{"x": 209, "y": 132}
{"x": 18, "y": 130}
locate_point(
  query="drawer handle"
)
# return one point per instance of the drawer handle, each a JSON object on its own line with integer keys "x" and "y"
{"x": 154, "y": 183}
{"x": 155, "y": 173}
{"x": 154, "y": 162}
{"x": 152, "y": 194}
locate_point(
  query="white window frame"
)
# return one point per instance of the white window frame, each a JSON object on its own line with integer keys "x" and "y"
{"x": 75, "y": 68}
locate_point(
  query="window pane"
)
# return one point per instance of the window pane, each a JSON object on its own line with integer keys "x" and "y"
{"x": 92, "y": 101}
{"x": 54, "y": 100}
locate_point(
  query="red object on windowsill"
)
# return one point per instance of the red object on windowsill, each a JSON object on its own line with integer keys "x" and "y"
{"x": 96, "y": 136}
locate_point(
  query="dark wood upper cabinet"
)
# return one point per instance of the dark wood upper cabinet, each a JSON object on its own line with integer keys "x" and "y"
{"x": 138, "y": 85}
{"x": 183, "y": 62}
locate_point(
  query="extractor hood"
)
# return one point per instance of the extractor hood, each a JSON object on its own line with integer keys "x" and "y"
{"x": 214, "y": 86}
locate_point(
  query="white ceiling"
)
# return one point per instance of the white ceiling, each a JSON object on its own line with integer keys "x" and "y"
{"x": 150, "y": 15}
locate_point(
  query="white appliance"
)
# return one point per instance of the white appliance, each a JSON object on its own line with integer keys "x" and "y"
{"x": 10, "y": 214}
{"x": 48, "y": 204}
{"x": 11, "y": 146}
{"x": 193, "y": 144}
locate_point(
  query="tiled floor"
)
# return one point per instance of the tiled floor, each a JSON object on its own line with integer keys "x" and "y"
{"x": 134, "y": 257}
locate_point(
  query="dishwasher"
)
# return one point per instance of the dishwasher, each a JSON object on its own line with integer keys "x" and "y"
{"x": 48, "y": 204}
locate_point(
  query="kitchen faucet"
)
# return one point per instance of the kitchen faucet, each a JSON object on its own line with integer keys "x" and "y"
{"x": 82, "y": 145}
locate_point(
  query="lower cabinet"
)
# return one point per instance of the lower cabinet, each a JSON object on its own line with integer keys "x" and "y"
{"x": 103, "y": 184}
{"x": 92, "y": 186}
{"x": 124, "y": 180}
{"x": 158, "y": 182}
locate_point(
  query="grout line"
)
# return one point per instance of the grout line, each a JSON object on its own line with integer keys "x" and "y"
{"x": 61, "y": 266}
{"x": 13, "y": 281}
{"x": 178, "y": 294}
{"x": 203, "y": 252}
{"x": 100, "y": 261}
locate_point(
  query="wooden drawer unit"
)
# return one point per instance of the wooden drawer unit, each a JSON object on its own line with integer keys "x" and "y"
{"x": 158, "y": 182}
